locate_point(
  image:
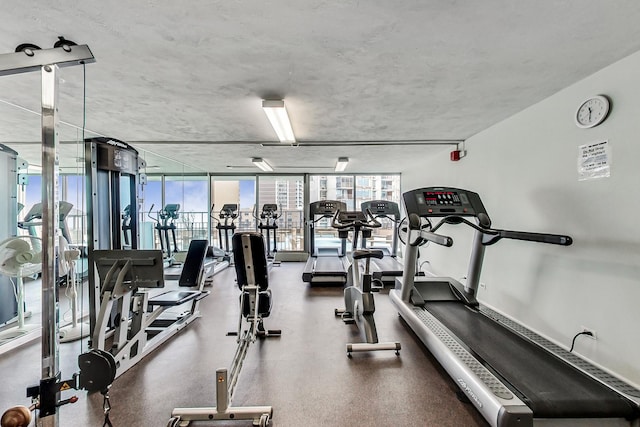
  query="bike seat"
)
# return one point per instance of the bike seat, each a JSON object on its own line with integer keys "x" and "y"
{"x": 367, "y": 253}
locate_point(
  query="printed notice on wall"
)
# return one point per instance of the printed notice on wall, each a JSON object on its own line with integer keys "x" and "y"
{"x": 594, "y": 160}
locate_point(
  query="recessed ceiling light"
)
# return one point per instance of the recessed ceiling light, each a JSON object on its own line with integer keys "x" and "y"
{"x": 342, "y": 163}
{"x": 277, "y": 114}
{"x": 259, "y": 162}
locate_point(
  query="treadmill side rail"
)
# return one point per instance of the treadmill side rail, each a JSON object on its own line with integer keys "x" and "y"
{"x": 505, "y": 411}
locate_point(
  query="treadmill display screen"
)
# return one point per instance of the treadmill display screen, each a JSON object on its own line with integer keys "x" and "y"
{"x": 437, "y": 198}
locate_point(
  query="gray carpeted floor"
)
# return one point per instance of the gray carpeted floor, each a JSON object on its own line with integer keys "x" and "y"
{"x": 305, "y": 374}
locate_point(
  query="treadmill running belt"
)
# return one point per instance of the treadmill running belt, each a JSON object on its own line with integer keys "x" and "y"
{"x": 548, "y": 385}
{"x": 388, "y": 266}
{"x": 329, "y": 266}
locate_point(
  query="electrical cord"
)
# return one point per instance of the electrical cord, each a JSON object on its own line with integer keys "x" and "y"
{"x": 573, "y": 341}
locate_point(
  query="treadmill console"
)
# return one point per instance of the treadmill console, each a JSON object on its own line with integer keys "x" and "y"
{"x": 443, "y": 201}
{"x": 381, "y": 207}
{"x": 326, "y": 207}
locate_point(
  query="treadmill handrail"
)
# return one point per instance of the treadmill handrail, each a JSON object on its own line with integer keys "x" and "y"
{"x": 492, "y": 235}
{"x": 314, "y": 220}
{"x": 426, "y": 235}
{"x": 553, "y": 239}
{"x": 371, "y": 221}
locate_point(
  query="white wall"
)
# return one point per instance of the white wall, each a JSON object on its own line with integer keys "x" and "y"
{"x": 524, "y": 169}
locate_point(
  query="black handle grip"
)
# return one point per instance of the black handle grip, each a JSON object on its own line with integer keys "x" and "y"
{"x": 554, "y": 239}
{"x": 437, "y": 238}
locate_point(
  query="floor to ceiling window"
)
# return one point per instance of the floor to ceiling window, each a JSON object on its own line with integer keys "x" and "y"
{"x": 354, "y": 190}
{"x": 287, "y": 192}
{"x": 152, "y": 202}
{"x": 239, "y": 190}
{"x": 201, "y": 202}
{"x": 379, "y": 187}
{"x": 188, "y": 193}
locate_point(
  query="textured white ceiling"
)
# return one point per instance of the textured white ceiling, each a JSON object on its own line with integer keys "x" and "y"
{"x": 181, "y": 72}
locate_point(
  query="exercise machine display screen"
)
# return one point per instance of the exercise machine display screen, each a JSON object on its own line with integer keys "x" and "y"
{"x": 379, "y": 207}
{"x": 434, "y": 198}
{"x": 443, "y": 201}
{"x": 325, "y": 207}
{"x": 269, "y": 207}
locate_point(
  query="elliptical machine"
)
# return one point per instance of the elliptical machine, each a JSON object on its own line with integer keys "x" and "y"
{"x": 358, "y": 295}
{"x": 226, "y": 216}
{"x": 267, "y": 222}
{"x": 165, "y": 222}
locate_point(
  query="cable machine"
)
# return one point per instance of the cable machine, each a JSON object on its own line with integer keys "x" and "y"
{"x": 28, "y": 57}
{"x": 113, "y": 180}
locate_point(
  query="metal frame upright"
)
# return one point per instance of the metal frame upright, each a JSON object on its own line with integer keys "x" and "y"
{"x": 48, "y": 62}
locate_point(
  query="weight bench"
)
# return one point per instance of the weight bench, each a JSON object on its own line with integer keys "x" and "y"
{"x": 255, "y": 304}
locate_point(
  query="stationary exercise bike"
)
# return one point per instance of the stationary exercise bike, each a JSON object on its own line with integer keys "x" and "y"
{"x": 358, "y": 295}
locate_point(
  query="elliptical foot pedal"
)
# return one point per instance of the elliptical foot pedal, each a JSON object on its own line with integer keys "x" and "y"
{"x": 345, "y": 316}
{"x": 269, "y": 333}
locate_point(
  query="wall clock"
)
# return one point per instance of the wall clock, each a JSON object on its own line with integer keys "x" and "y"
{"x": 592, "y": 112}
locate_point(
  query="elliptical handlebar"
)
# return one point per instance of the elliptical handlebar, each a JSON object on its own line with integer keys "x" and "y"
{"x": 149, "y": 213}
{"x": 228, "y": 213}
{"x": 270, "y": 211}
{"x": 212, "y": 215}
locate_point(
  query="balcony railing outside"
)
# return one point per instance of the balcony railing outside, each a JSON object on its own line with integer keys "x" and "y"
{"x": 194, "y": 225}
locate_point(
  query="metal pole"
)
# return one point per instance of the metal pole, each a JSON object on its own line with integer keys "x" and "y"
{"x": 50, "y": 225}
{"x": 475, "y": 264}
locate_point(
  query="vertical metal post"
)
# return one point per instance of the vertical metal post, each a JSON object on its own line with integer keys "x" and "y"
{"x": 50, "y": 225}
{"x": 475, "y": 264}
{"x": 408, "y": 276}
{"x": 306, "y": 201}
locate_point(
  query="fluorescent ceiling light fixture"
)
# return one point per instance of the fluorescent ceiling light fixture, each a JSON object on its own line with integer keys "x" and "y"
{"x": 277, "y": 115}
{"x": 259, "y": 162}
{"x": 342, "y": 164}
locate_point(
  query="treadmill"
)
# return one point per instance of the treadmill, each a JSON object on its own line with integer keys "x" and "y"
{"x": 386, "y": 269}
{"x": 326, "y": 265}
{"x": 513, "y": 376}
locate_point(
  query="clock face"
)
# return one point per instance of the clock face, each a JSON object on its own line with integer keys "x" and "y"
{"x": 592, "y": 112}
